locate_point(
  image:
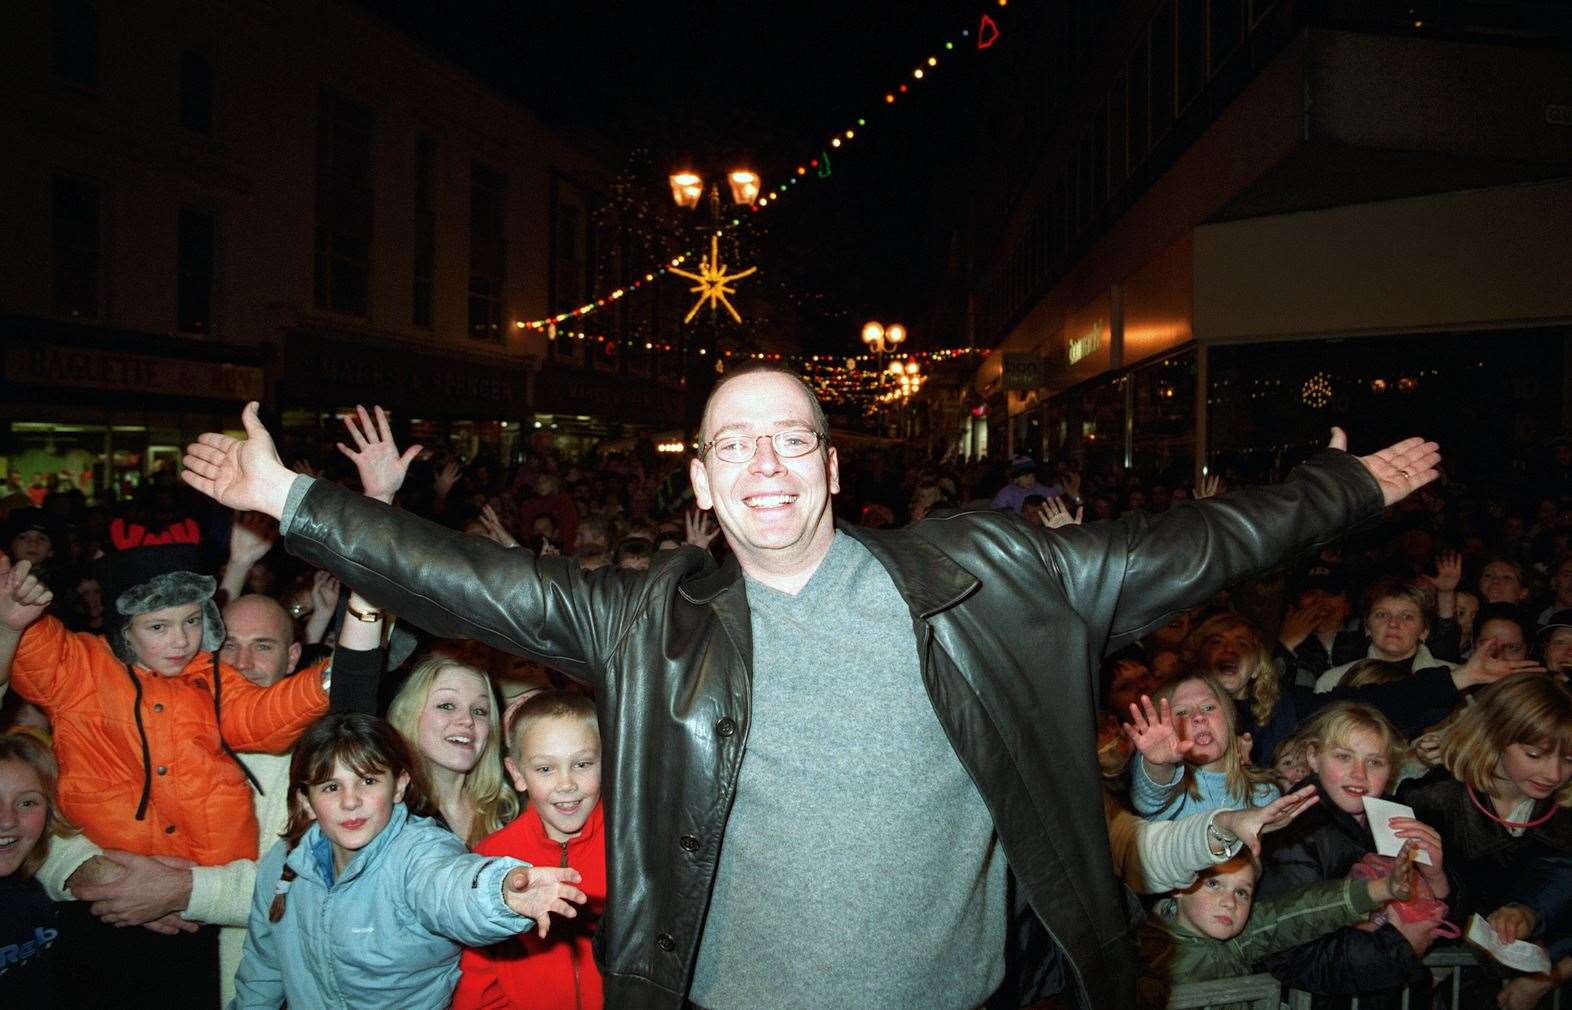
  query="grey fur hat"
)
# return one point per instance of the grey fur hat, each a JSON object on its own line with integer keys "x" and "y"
{"x": 172, "y": 589}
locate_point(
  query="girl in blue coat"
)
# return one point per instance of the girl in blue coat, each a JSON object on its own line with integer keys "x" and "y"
{"x": 367, "y": 902}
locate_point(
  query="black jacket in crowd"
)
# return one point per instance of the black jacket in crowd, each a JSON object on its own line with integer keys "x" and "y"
{"x": 1324, "y": 843}
{"x": 1010, "y": 622}
{"x": 1483, "y": 857}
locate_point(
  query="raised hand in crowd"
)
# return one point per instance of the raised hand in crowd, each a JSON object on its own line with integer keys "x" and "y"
{"x": 700, "y": 528}
{"x": 325, "y": 591}
{"x": 23, "y": 600}
{"x": 447, "y": 477}
{"x": 376, "y": 457}
{"x": 1427, "y": 840}
{"x": 1071, "y": 482}
{"x": 1210, "y": 487}
{"x": 148, "y": 889}
{"x": 1155, "y": 736}
{"x": 1487, "y": 665}
{"x": 1249, "y": 824}
{"x": 1054, "y": 513}
{"x": 496, "y": 532}
{"x": 540, "y": 892}
{"x": 23, "y": 597}
{"x": 1300, "y": 622}
{"x": 251, "y": 536}
{"x": 1449, "y": 571}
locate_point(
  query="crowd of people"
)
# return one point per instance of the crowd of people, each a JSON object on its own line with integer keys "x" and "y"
{"x": 241, "y": 775}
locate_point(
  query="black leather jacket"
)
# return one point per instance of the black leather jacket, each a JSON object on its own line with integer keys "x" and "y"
{"x": 1010, "y": 621}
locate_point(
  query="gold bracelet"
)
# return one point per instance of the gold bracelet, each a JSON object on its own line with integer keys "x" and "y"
{"x": 369, "y": 616}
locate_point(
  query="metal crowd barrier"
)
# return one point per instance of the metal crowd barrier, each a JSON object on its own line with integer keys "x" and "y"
{"x": 1263, "y": 992}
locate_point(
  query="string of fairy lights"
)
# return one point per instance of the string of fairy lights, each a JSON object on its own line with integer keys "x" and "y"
{"x": 978, "y": 39}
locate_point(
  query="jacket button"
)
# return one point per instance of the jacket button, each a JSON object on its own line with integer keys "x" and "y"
{"x": 688, "y": 843}
{"x": 666, "y": 943}
{"x": 162, "y": 769}
{"x": 726, "y": 727}
{"x": 158, "y": 707}
{"x": 169, "y": 830}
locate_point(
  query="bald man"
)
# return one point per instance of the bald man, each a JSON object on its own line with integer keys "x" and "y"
{"x": 259, "y": 640}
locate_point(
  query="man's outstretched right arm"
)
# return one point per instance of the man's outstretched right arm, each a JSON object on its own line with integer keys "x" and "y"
{"x": 448, "y": 583}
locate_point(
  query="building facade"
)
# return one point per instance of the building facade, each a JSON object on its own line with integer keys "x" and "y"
{"x": 1243, "y": 222}
{"x": 291, "y": 202}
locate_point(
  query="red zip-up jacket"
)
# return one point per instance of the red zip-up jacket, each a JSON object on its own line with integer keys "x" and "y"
{"x": 526, "y": 972}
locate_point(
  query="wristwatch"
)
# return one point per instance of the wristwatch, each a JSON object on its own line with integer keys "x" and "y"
{"x": 1230, "y": 845}
{"x": 371, "y": 616}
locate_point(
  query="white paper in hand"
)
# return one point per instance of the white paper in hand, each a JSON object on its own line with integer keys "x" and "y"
{"x": 1380, "y": 812}
{"x": 1519, "y": 954}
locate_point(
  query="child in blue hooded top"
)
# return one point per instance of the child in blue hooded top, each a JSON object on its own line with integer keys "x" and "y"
{"x": 367, "y": 902}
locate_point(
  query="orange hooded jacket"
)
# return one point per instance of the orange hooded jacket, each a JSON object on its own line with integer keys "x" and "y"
{"x": 198, "y": 799}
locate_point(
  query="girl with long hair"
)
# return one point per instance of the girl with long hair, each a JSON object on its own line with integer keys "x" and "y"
{"x": 1503, "y": 809}
{"x": 367, "y": 901}
{"x": 447, "y": 711}
{"x": 1190, "y": 757}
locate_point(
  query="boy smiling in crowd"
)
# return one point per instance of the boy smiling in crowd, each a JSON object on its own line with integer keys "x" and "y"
{"x": 554, "y": 748}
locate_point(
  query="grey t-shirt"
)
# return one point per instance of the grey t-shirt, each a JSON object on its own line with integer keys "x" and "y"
{"x": 859, "y": 867}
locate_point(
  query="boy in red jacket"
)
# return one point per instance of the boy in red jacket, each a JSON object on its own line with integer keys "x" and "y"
{"x": 554, "y": 756}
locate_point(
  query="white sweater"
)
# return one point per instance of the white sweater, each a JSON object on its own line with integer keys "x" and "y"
{"x": 220, "y": 895}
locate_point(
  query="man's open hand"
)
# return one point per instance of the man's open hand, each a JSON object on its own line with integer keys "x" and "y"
{"x": 245, "y": 474}
{"x": 1400, "y": 469}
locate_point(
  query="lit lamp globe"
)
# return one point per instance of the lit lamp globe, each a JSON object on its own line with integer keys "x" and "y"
{"x": 744, "y": 186}
{"x": 872, "y": 334}
{"x": 686, "y": 188}
{"x": 895, "y": 334}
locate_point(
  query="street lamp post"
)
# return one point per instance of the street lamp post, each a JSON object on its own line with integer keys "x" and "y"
{"x": 888, "y": 337}
{"x": 688, "y": 186}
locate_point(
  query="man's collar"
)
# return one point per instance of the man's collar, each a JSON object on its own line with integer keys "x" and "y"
{"x": 927, "y": 578}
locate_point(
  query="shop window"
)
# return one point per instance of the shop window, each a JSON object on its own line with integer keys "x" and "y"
{"x": 344, "y": 205}
{"x": 1102, "y": 425}
{"x": 1163, "y": 424}
{"x": 1491, "y": 399}
{"x": 423, "y": 283}
{"x": 73, "y": 42}
{"x": 487, "y": 252}
{"x": 194, "y": 309}
{"x": 196, "y": 92}
{"x": 76, "y": 236}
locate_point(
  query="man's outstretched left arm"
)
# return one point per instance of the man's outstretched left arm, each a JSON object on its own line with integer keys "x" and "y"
{"x": 1128, "y": 576}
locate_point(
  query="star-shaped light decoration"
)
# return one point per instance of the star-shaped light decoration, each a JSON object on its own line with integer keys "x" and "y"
{"x": 713, "y": 282}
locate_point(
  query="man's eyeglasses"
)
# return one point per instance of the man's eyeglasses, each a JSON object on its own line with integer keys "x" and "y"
{"x": 788, "y": 444}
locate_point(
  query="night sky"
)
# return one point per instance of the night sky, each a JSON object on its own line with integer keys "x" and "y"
{"x": 763, "y": 83}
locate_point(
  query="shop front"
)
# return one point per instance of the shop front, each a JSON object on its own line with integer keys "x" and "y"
{"x": 470, "y": 405}
{"x": 108, "y": 410}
